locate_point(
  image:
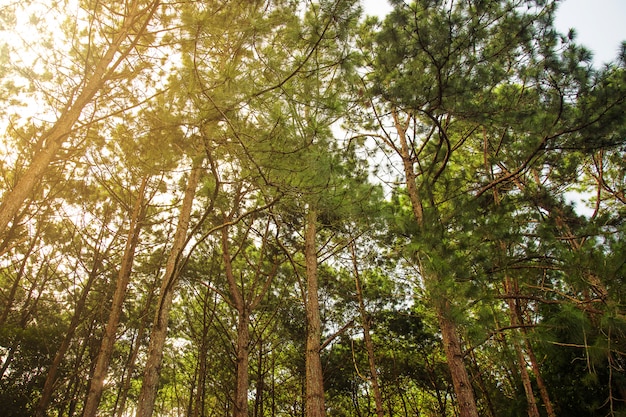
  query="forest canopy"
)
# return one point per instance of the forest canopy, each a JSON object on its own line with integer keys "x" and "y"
{"x": 288, "y": 208}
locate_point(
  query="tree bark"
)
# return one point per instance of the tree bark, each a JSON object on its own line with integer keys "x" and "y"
{"x": 314, "y": 391}
{"x": 243, "y": 333}
{"x": 96, "y": 384}
{"x": 152, "y": 370}
{"x": 129, "y": 369}
{"x": 543, "y": 389}
{"x": 20, "y": 274}
{"x": 260, "y": 383}
{"x": 369, "y": 344}
{"x": 451, "y": 342}
{"x": 197, "y": 409}
{"x": 517, "y": 319}
{"x": 48, "y": 387}
{"x": 533, "y": 411}
{"x": 454, "y": 356}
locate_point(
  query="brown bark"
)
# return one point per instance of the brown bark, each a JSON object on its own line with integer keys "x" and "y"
{"x": 197, "y": 408}
{"x": 129, "y": 369}
{"x": 152, "y": 370}
{"x": 48, "y": 387}
{"x": 409, "y": 170}
{"x": 454, "y": 356}
{"x": 96, "y": 384}
{"x": 314, "y": 391}
{"x": 51, "y": 141}
{"x": 533, "y": 411}
{"x": 19, "y": 275}
{"x": 511, "y": 289}
{"x": 369, "y": 344}
{"x": 243, "y": 333}
{"x": 260, "y": 383}
{"x": 451, "y": 342}
{"x": 543, "y": 389}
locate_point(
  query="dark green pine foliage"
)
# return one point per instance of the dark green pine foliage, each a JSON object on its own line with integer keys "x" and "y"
{"x": 501, "y": 115}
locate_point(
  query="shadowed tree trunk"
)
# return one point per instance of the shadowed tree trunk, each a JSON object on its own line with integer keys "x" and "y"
{"x": 314, "y": 391}
{"x": 243, "y": 332}
{"x": 451, "y": 341}
{"x": 48, "y": 388}
{"x": 158, "y": 334}
{"x": 533, "y": 411}
{"x": 129, "y": 369}
{"x": 369, "y": 344}
{"x": 96, "y": 384}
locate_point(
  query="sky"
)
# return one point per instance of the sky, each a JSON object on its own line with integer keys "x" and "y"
{"x": 600, "y": 24}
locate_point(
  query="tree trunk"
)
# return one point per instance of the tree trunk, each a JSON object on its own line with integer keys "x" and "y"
{"x": 314, "y": 390}
{"x": 243, "y": 332}
{"x": 543, "y": 389}
{"x": 96, "y": 384}
{"x": 369, "y": 344}
{"x": 48, "y": 387}
{"x": 517, "y": 318}
{"x": 241, "y": 387}
{"x": 260, "y": 383}
{"x": 197, "y": 410}
{"x": 129, "y": 369}
{"x": 454, "y": 356}
{"x": 533, "y": 411}
{"x": 452, "y": 345}
{"x": 52, "y": 140}
{"x": 28, "y": 310}
{"x": 147, "y": 394}
{"x": 20, "y": 274}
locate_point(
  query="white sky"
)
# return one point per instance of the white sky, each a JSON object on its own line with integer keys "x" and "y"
{"x": 600, "y": 24}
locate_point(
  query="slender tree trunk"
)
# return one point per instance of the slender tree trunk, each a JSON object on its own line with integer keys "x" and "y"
{"x": 132, "y": 359}
{"x": 451, "y": 342}
{"x": 19, "y": 275}
{"x": 518, "y": 319}
{"x": 454, "y": 355}
{"x": 369, "y": 344}
{"x": 29, "y": 309}
{"x": 243, "y": 332}
{"x": 52, "y": 140}
{"x": 314, "y": 390}
{"x": 543, "y": 389}
{"x": 260, "y": 383}
{"x": 483, "y": 388}
{"x": 147, "y": 395}
{"x": 96, "y": 384}
{"x": 533, "y": 411}
{"x": 197, "y": 410}
{"x": 48, "y": 387}
{"x": 243, "y": 360}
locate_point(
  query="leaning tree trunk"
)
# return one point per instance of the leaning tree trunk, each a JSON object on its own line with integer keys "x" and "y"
{"x": 96, "y": 384}
{"x": 314, "y": 390}
{"x": 129, "y": 369}
{"x": 454, "y": 356}
{"x": 516, "y": 314}
{"x": 133, "y": 27}
{"x": 152, "y": 370}
{"x": 51, "y": 377}
{"x": 369, "y": 343}
{"x": 533, "y": 411}
{"x": 243, "y": 332}
{"x": 451, "y": 341}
